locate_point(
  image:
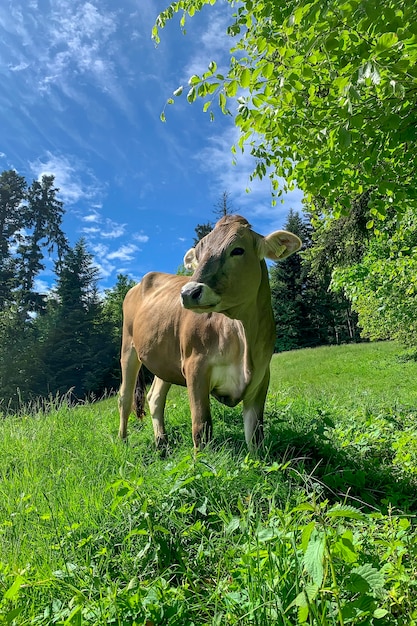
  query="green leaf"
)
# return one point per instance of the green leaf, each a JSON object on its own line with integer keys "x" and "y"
{"x": 11, "y": 615}
{"x": 268, "y": 70}
{"x": 13, "y": 591}
{"x": 343, "y": 510}
{"x": 364, "y": 605}
{"x": 191, "y": 95}
{"x": 222, "y": 101}
{"x": 385, "y": 41}
{"x": 345, "y": 138}
{"x": 178, "y": 91}
{"x": 305, "y": 506}
{"x": 313, "y": 557}
{"x": 303, "y": 614}
{"x": 306, "y": 534}
{"x": 265, "y": 534}
{"x": 365, "y": 578}
{"x": 245, "y": 77}
{"x": 303, "y": 601}
{"x": 231, "y": 88}
{"x": 212, "y": 87}
{"x": 162, "y": 117}
{"x": 345, "y": 549}
{"x": 233, "y": 525}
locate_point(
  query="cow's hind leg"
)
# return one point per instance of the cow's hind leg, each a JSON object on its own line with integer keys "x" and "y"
{"x": 130, "y": 366}
{"x": 157, "y": 396}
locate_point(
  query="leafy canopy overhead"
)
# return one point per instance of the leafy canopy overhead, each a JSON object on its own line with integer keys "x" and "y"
{"x": 326, "y": 93}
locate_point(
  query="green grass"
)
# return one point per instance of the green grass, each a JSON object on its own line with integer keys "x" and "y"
{"x": 376, "y": 371}
{"x": 318, "y": 529}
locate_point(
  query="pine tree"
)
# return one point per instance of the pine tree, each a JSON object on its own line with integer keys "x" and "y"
{"x": 43, "y": 219}
{"x": 19, "y": 359}
{"x": 201, "y": 230}
{"x": 12, "y": 224}
{"x": 221, "y": 208}
{"x": 287, "y": 287}
{"x": 30, "y": 220}
{"x": 306, "y": 313}
{"x": 77, "y": 349}
{"x": 113, "y": 316}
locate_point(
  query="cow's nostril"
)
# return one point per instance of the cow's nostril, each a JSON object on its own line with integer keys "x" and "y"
{"x": 196, "y": 293}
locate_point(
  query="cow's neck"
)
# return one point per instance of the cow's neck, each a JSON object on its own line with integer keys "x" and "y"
{"x": 258, "y": 322}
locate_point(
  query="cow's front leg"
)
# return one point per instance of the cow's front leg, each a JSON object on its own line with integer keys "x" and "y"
{"x": 253, "y": 414}
{"x": 198, "y": 394}
{"x": 156, "y": 397}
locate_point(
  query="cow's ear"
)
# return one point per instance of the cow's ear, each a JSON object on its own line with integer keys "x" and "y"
{"x": 190, "y": 260}
{"x": 279, "y": 245}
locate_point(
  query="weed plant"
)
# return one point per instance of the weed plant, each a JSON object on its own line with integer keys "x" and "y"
{"x": 317, "y": 529}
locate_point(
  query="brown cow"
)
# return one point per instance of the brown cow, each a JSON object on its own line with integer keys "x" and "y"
{"x": 213, "y": 332}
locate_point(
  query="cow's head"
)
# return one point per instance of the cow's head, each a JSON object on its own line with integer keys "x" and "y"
{"x": 229, "y": 265}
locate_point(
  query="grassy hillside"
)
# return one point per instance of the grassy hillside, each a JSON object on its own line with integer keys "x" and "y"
{"x": 319, "y": 529}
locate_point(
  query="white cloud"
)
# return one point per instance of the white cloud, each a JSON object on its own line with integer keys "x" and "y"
{"x": 91, "y": 230}
{"x": 19, "y": 67}
{"x": 78, "y": 32}
{"x": 124, "y": 253}
{"x": 105, "y": 268}
{"x": 67, "y": 45}
{"x": 113, "y": 229}
{"x": 68, "y": 178}
{"x": 42, "y": 286}
{"x": 102, "y": 261}
{"x": 114, "y": 233}
{"x": 140, "y": 237}
{"x": 91, "y": 217}
{"x": 104, "y": 258}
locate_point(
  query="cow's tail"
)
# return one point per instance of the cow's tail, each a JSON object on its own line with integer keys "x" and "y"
{"x": 139, "y": 396}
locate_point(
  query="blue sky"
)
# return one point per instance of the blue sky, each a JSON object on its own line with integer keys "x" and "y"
{"x": 83, "y": 87}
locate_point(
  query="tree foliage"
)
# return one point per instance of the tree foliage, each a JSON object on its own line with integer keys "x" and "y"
{"x": 69, "y": 339}
{"x": 326, "y": 95}
{"x": 383, "y": 284}
{"x": 76, "y": 350}
{"x": 222, "y": 207}
{"x": 30, "y": 220}
{"x": 306, "y": 313}
{"x": 12, "y": 193}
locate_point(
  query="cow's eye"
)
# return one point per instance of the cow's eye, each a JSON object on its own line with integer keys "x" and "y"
{"x": 237, "y": 252}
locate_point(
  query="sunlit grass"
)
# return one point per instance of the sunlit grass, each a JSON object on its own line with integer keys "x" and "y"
{"x": 317, "y": 529}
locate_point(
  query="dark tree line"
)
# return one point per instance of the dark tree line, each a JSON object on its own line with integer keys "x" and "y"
{"x": 68, "y": 340}
{"x": 307, "y": 313}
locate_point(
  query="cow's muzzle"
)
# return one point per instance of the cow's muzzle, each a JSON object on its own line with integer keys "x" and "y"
{"x": 198, "y": 297}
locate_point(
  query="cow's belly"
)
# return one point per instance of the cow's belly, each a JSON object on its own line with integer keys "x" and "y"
{"x": 228, "y": 383}
{"x": 168, "y": 368}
